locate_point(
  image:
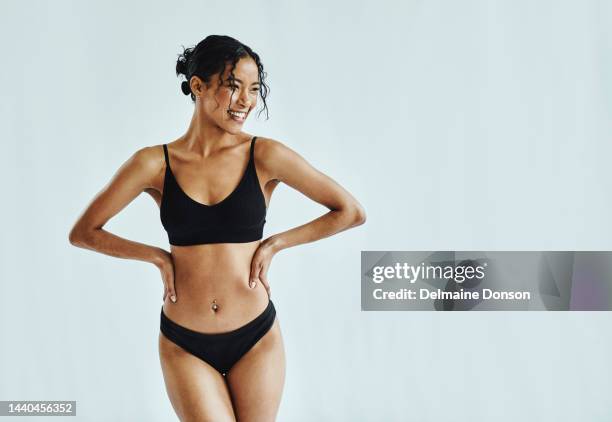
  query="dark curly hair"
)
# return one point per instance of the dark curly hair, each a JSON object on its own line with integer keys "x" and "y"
{"x": 210, "y": 56}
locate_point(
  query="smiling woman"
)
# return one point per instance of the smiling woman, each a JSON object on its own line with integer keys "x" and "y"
{"x": 203, "y": 63}
{"x": 220, "y": 337}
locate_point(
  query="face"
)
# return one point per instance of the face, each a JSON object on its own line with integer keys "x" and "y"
{"x": 228, "y": 105}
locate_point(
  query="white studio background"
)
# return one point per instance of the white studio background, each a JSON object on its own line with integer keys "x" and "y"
{"x": 459, "y": 125}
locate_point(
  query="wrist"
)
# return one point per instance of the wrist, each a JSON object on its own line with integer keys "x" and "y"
{"x": 159, "y": 257}
{"x": 274, "y": 243}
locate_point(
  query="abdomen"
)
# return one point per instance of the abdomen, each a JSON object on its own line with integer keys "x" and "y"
{"x": 219, "y": 272}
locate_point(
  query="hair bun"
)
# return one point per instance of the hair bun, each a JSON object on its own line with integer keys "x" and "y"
{"x": 185, "y": 88}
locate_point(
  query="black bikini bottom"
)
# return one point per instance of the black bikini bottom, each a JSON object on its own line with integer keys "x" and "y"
{"x": 220, "y": 350}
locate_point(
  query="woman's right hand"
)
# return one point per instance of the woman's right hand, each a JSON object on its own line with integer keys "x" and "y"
{"x": 166, "y": 267}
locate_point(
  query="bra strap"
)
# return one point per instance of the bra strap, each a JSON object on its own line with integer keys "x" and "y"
{"x": 253, "y": 148}
{"x": 166, "y": 155}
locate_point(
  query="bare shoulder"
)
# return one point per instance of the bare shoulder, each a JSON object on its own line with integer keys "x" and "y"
{"x": 149, "y": 158}
{"x": 270, "y": 150}
{"x": 273, "y": 156}
{"x": 282, "y": 162}
{"x": 143, "y": 166}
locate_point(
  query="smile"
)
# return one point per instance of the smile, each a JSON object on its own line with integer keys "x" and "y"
{"x": 238, "y": 115}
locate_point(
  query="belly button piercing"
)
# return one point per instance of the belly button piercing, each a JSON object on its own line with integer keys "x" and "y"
{"x": 214, "y": 305}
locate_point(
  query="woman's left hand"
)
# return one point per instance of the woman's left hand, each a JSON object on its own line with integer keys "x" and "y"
{"x": 260, "y": 264}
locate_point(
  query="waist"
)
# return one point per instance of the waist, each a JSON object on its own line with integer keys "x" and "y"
{"x": 212, "y": 287}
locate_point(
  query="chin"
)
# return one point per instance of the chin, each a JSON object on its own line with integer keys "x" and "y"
{"x": 231, "y": 126}
{"x": 234, "y": 130}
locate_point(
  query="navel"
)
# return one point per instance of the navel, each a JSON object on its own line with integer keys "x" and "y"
{"x": 214, "y": 305}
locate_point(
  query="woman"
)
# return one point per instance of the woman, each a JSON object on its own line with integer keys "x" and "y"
{"x": 220, "y": 343}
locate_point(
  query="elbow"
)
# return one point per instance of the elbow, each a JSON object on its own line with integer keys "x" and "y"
{"x": 76, "y": 237}
{"x": 359, "y": 215}
{"x": 352, "y": 214}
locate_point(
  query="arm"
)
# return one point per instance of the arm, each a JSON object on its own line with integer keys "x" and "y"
{"x": 132, "y": 178}
{"x": 283, "y": 164}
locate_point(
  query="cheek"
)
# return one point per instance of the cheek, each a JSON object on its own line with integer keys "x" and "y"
{"x": 224, "y": 98}
{"x": 217, "y": 106}
{"x": 216, "y": 110}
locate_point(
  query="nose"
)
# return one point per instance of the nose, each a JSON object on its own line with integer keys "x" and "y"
{"x": 243, "y": 99}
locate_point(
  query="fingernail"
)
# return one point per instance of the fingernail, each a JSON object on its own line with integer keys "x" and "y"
{"x": 173, "y": 298}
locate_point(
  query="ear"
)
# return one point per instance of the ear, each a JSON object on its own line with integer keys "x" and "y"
{"x": 198, "y": 87}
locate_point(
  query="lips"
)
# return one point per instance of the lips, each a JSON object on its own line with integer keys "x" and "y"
{"x": 238, "y": 115}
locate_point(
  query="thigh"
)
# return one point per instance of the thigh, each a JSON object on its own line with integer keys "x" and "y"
{"x": 256, "y": 381}
{"x": 196, "y": 390}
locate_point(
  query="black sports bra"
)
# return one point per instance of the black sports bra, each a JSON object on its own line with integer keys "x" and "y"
{"x": 239, "y": 218}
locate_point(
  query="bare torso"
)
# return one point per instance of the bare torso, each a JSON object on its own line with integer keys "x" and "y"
{"x": 214, "y": 272}
{"x": 218, "y": 272}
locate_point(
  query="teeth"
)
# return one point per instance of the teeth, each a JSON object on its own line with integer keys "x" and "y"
{"x": 240, "y": 114}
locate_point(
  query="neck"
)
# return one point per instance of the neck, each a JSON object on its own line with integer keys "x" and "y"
{"x": 204, "y": 137}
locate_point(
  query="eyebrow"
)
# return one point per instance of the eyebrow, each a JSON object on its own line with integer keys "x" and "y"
{"x": 238, "y": 80}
